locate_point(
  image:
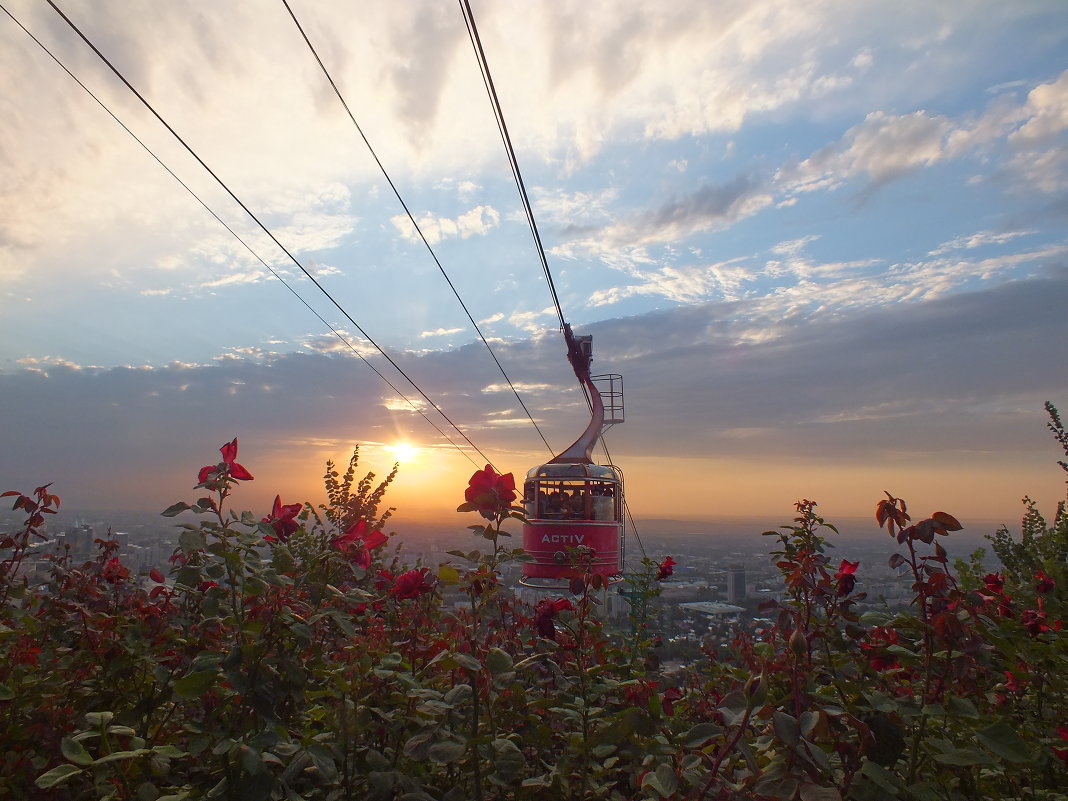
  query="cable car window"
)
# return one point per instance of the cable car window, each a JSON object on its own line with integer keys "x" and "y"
{"x": 569, "y": 499}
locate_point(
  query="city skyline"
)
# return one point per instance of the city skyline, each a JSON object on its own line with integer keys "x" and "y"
{"x": 824, "y": 244}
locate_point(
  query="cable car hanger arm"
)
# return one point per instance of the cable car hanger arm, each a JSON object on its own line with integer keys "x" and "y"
{"x": 580, "y": 354}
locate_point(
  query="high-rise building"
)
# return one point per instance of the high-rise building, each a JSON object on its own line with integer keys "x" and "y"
{"x": 736, "y": 583}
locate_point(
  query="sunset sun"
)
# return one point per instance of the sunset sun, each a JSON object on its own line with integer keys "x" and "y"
{"x": 403, "y": 451}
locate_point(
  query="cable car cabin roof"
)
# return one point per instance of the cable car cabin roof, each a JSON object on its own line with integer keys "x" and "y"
{"x": 560, "y": 470}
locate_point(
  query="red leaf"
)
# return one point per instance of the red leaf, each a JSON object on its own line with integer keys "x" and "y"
{"x": 923, "y": 531}
{"x": 947, "y": 521}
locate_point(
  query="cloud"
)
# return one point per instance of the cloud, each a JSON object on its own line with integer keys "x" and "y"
{"x": 886, "y": 147}
{"x": 925, "y": 377}
{"x": 1047, "y": 109}
{"x": 343, "y": 342}
{"x": 724, "y": 280}
{"x": 977, "y": 240}
{"x": 954, "y": 363}
{"x": 575, "y": 210}
{"x": 440, "y": 332}
{"x": 624, "y": 245}
{"x": 531, "y": 322}
{"x": 422, "y": 45}
{"x": 474, "y": 222}
{"x": 518, "y": 386}
{"x": 882, "y": 148}
{"x": 801, "y": 282}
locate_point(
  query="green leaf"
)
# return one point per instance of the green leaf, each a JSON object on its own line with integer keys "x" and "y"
{"x": 467, "y": 661}
{"x": 508, "y": 760}
{"x": 176, "y": 509}
{"x": 251, "y": 760}
{"x": 663, "y": 780}
{"x": 813, "y": 792}
{"x": 881, "y": 776}
{"x": 701, "y": 734}
{"x": 75, "y": 752}
{"x": 169, "y": 751}
{"x": 376, "y": 760}
{"x": 926, "y": 791}
{"x": 195, "y": 684}
{"x": 447, "y": 574}
{"x": 786, "y": 727}
{"x": 1003, "y": 740}
{"x": 6, "y": 693}
{"x": 498, "y": 661}
{"x": 963, "y": 757}
{"x": 447, "y": 751}
{"x": 56, "y": 776}
{"x": 784, "y": 788}
{"x": 459, "y": 694}
{"x": 101, "y": 719}
{"x": 116, "y": 756}
{"x": 192, "y": 540}
{"x": 323, "y": 761}
{"x": 962, "y": 707}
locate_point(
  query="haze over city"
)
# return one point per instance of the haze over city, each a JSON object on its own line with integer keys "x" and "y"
{"x": 823, "y": 242}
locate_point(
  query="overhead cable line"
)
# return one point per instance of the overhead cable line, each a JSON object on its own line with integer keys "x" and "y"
{"x": 236, "y": 236}
{"x": 411, "y": 218}
{"x": 263, "y": 227}
{"x": 626, "y": 506}
{"x": 513, "y": 162}
{"x": 487, "y": 79}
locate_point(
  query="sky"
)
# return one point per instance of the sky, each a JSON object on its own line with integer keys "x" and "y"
{"x": 825, "y": 243}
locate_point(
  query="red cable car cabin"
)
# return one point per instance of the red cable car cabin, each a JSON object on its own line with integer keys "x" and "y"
{"x": 571, "y": 506}
{"x": 570, "y": 502}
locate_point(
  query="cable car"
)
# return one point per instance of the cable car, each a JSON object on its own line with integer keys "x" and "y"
{"x": 571, "y": 502}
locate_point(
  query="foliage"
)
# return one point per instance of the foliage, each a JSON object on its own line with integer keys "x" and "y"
{"x": 348, "y": 506}
{"x": 293, "y": 657}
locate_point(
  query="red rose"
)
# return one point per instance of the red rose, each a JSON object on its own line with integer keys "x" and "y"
{"x": 1045, "y": 583}
{"x": 281, "y": 518}
{"x": 845, "y": 578}
{"x": 357, "y": 543}
{"x": 411, "y": 584}
{"x": 227, "y": 468}
{"x": 665, "y": 568}
{"x": 490, "y": 493}
{"x": 545, "y": 613}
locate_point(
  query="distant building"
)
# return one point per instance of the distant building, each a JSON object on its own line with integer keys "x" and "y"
{"x": 736, "y": 583}
{"x": 712, "y": 608}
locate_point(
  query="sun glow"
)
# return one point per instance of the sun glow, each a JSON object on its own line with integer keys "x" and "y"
{"x": 403, "y": 451}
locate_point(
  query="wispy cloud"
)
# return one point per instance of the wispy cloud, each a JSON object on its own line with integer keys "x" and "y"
{"x": 343, "y": 342}
{"x": 474, "y": 222}
{"x": 882, "y": 148}
{"x": 440, "y": 332}
{"x": 977, "y": 240}
{"x": 828, "y": 387}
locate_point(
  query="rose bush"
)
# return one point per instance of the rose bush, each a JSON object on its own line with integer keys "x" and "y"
{"x": 295, "y": 654}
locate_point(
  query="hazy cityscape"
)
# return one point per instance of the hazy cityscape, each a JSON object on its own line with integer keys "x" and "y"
{"x": 724, "y": 569}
